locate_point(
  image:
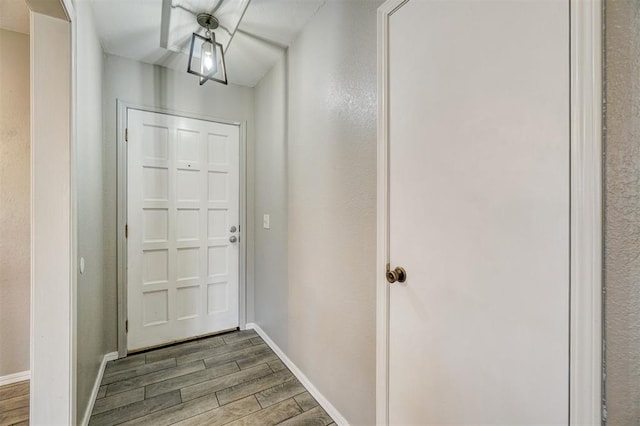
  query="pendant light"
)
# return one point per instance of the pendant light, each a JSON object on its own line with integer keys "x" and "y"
{"x": 206, "y": 58}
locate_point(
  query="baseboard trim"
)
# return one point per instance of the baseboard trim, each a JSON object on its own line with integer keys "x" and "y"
{"x": 324, "y": 402}
{"x": 15, "y": 378}
{"x": 96, "y": 386}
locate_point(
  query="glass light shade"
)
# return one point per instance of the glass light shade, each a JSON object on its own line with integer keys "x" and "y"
{"x": 206, "y": 60}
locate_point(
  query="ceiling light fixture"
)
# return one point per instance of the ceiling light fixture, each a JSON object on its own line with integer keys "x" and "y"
{"x": 206, "y": 58}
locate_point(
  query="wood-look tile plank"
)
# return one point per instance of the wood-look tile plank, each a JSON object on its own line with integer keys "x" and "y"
{"x": 139, "y": 371}
{"x": 177, "y": 413}
{"x": 261, "y": 358}
{"x": 118, "y": 400}
{"x": 135, "y": 410}
{"x": 102, "y": 392}
{"x": 124, "y": 363}
{"x": 314, "y": 417}
{"x": 190, "y": 379}
{"x": 237, "y": 355}
{"x": 15, "y": 402}
{"x": 306, "y": 401}
{"x": 276, "y": 365}
{"x": 213, "y": 352}
{"x": 223, "y": 415}
{"x": 17, "y": 415}
{"x": 156, "y": 377}
{"x": 256, "y": 340}
{"x": 279, "y": 393}
{"x": 239, "y": 335}
{"x": 270, "y": 416}
{"x": 14, "y": 389}
{"x": 22, "y": 423}
{"x": 228, "y": 395}
{"x": 184, "y": 349}
{"x": 233, "y": 379}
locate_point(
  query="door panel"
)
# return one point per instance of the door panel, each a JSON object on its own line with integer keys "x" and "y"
{"x": 182, "y": 199}
{"x": 479, "y": 212}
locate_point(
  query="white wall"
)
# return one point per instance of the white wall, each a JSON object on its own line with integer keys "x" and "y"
{"x": 148, "y": 85}
{"x": 15, "y": 178}
{"x": 328, "y": 159}
{"x": 51, "y": 245}
{"x": 332, "y": 205}
{"x": 93, "y": 321}
{"x": 271, "y": 283}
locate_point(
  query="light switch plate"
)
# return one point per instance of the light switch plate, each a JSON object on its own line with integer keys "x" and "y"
{"x": 265, "y": 222}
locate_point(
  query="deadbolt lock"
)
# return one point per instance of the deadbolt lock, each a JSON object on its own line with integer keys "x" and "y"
{"x": 233, "y": 229}
{"x": 398, "y": 274}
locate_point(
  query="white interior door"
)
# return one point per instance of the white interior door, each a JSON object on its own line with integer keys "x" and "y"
{"x": 479, "y": 196}
{"x": 182, "y": 218}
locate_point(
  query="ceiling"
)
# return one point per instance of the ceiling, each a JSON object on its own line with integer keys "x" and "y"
{"x": 14, "y": 16}
{"x": 137, "y": 29}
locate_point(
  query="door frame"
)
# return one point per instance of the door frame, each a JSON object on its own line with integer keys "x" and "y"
{"x": 121, "y": 123}
{"x": 585, "y": 334}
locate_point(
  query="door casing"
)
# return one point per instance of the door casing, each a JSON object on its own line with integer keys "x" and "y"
{"x": 121, "y": 123}
{"x": 585, "y": 344}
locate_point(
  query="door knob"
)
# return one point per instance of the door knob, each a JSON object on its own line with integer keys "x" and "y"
{"x": 233, "y": 229}
{"x": 233, "y": 238}
{"x": 398, "y": 274}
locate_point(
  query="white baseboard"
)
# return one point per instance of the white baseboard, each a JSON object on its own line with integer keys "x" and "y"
{"x": 324, "y": 402}
{"x": 96, "y": 386}
{"x": 14, "y": 378}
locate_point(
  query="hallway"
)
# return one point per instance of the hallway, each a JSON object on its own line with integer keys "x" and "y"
{"x": 234, "y": 378}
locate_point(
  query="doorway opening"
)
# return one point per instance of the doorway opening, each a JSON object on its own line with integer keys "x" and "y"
{"x": 181, "y": 219}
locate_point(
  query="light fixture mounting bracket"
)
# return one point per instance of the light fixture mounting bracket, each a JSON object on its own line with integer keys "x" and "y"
{"x": 207, "y": 21}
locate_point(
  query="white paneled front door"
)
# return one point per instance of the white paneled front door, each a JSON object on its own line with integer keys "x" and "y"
{"x": 183, "y": 228}
{"x": 478, "y": 212}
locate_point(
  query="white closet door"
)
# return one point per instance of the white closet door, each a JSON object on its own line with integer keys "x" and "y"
{"x": 479, "y": 212}
{"x": 182, "y": 209}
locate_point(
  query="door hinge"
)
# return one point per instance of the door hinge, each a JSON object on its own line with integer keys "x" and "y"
{"x": 126, "y": 231}
{"x": 126, "y": 326}
{"x": 126, "y": 135}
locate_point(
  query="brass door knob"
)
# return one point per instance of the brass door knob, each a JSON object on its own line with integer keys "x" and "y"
{"x": 398, "y": 274}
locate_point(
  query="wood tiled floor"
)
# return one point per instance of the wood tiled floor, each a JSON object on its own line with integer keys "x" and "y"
{"x": 14, "y": 404}
{"x": 230, "y": 379}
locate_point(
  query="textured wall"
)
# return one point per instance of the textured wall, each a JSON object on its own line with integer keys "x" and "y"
{"x": 15, "y": 166}
{"x": 622, "y": 211}
{"x": 93, "y": 321}
{"x": 332, "y": 205}
{"x": 149, "y": 85}
{"x": 271, "y": 284}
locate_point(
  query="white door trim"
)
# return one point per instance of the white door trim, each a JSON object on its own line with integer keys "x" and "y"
{"x": 585, "y": 388}
{"x": 121, "y": 123}
{"x": 586, "y": 214}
